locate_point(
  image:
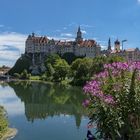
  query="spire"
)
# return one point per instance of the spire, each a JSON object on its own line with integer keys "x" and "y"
{"x": 79, "y": 29}
{"x": 79, "y": 35}
{"x": 109, "y": 44}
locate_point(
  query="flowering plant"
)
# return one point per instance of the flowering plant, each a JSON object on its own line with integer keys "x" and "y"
{"x": 114, "y": 101}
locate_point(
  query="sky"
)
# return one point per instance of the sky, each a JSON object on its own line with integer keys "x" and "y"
{"x": 59, "y": 19}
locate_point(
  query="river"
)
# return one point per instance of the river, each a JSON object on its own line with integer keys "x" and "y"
{"x": 43, "y": 111}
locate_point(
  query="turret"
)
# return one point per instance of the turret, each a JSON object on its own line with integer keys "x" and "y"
{"x": 117, "y": 45}
{"x": 109, "y": 45}
{"x": 33, "y": 34}
{"x": 79, "y": 35}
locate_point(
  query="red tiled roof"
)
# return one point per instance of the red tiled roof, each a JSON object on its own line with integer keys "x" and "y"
{"x": 42, "y": 40}
{"x": 88, "y": 43}
{"x": 38, "y": 39}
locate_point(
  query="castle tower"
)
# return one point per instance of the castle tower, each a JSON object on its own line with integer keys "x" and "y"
{"x": 79, "y": 35}
{"x": 109, "y": 45}
{"x": 33, "y": 34}
{"x": 117, "y": 45}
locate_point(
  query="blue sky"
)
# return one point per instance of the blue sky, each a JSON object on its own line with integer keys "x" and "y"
{"x": 99, "y": 19}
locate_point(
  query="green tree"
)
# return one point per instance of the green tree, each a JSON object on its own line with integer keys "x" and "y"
{"x": 16, "y": 75}
{"x": 98, "y": 62}
{"x": 51, "y": 59}
{"x": 70, "y": 57}
{"x": 61, "y": 69}
{"x": 50, "y": 70}
{"x": 112, "y": 59}
{"x": 75, "y": 64}
{"x": 81, "y": 70}
{"x": 48, "y": 75}
{"x": 22, "y": 63}
{"x": 25, "y": 75}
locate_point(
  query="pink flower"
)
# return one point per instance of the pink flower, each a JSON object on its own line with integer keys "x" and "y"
{"x": 86, "y": 103}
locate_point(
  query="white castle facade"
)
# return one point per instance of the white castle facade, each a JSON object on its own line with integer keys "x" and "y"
{"x": 38, "y": 47}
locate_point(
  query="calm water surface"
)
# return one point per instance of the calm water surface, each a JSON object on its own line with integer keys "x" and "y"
{"x": 44, "y": 111}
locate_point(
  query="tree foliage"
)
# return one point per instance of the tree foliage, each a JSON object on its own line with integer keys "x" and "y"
{"x": 57, "y": 69}
{"x": 22, "y": 63}
{"x": 61, "y": 69}
{"x": 70, "y": 57}
{"x": 50, "y": 70}
{"x": 51, "y": 59}
{"x": 25, "y": 75}
{"x": 83, "y": 69}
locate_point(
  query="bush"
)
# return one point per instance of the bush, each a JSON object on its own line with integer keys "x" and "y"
{"x": 25, "y": 75}
{"x": 16, "y": 75}
{"x": 113, "y": 101}
{"x": 3, "y": 122}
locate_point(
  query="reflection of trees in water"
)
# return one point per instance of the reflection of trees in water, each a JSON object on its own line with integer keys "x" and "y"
{"x": 3, "y": 84}
{"x": 42, "y": 100}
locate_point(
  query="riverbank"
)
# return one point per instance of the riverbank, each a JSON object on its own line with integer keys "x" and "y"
{"x": 6, "y": 133}
{"x": 64, "y": 82}
{"x": 9, "y": 134}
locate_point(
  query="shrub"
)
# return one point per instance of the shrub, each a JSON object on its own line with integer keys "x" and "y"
{"x": 3, "y": 122}
{"x": 16, "y": 75}
{"x": 113, "y": 101}
{"x": 25, "y": 75}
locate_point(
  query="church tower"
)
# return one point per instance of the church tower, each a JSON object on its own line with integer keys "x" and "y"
{"x": 109, "y": 45}
{"x": 79, "y": 35}
{"x": 117, "y": 45}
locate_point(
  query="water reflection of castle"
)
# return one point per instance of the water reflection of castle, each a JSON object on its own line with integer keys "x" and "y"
{"x": 42, "y": 101}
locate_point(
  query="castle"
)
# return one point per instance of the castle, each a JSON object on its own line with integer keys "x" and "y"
{"x": 39, "y": 47}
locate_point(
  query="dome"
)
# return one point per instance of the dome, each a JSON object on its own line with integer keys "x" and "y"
{"x": 117, "y": 42}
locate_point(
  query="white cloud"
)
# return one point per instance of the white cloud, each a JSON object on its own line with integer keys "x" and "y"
{"x": 103, "y": 47}
{"x": 11, "y": 103}
{"x": 8, "y": 55}
{"x": 66, "y": 35}
{"x": 6, "y": 63}
{"x": 12, "y": 44}
{"x": 83, "y": 31}
{"x": 13, "y": 39}
{"x": 86, "y": 26}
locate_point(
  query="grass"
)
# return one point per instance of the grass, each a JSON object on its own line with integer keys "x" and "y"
{"x": 35, "y": 78}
